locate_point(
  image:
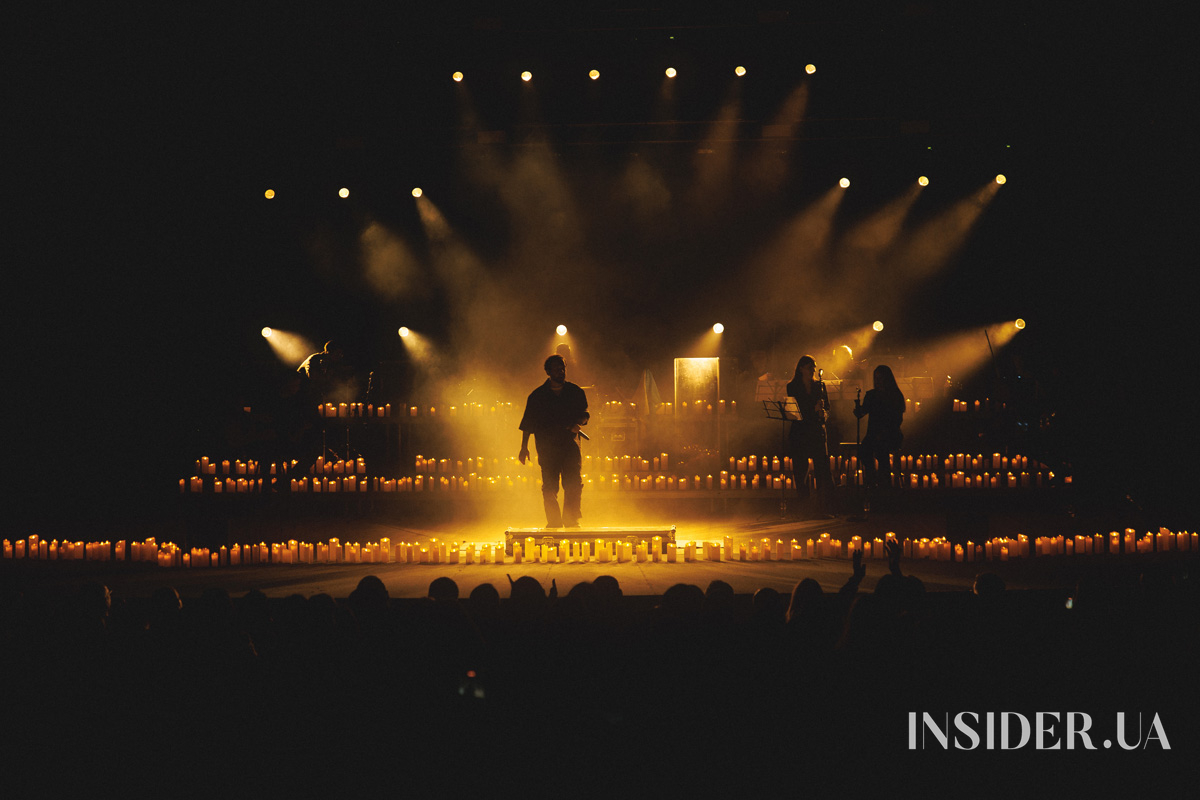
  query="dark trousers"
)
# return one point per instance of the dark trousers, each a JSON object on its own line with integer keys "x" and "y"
{"x": 561, "y": 462}
{"x": 811, "y": 443}
{"x": 876, "y": 448}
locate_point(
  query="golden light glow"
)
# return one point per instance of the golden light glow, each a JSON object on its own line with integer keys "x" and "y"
{"x": 561, "y": 330}
{"x": 417, "y": 192}
{"x": 1000, "y": 179}
{"x": 458, "y": 76}
{"x": 739, "y": 71}
{"x": 671, "y": 72}
{"x": 810, "y": 69}
{"x": 527, "y": 76}
{"x": 844, "y": 183}
{"x": 878, "y": 326}
{"x": 404, "y": 331}
{"x": 923, "y": 181}
{"x": 594, "y": 74}
{"x": 1020, "y": 323}
{"x": 343, "y": 192}
{"x": 266, "y": 332}
{"x": 269, "y": 194}
{"x": 718, "y": 328}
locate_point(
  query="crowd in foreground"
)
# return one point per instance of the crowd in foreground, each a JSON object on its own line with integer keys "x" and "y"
{"x": 321, "y": 690}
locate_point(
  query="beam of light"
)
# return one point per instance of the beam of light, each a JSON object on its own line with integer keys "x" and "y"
{"x": 437, "y": 229}
{"x": 878, "y": 326}
{"x": 594, "y": 74}
{"x": 527, "y": 76}
{"x": 868, "y": 240}
{"x": 457, "y": 77}
{"x": 810, "y": 69}
{"x": 416, "y": 192}
{"x": 739, "y": 71}
{"x": 343, "y": 192}
{"x": 771, "y": 162}
{"x": 290, "y": 348}
{"x": 922, "y": 181}
{"x": 718, "y": 328}
{"x": 419, "y": 347}
{"x": 269, "y": 194}
{"x": 960, "y": 355}
{"x": 389, "y": 265}
{"x": 671, "y": 73}
{"x": 715, "y": 161}
{"x": 931, "y": 247}
{"x": 561, "y": 330}
{"x": 793, "y": 262}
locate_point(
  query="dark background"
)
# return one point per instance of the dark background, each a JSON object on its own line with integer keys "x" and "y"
{"x": 144, "y": 260}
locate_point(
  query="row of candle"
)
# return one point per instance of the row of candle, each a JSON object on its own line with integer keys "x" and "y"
{"x": 696, "y": 408}
{"x": 656, "y": 549}
{"x": 205, "y": 466}
{"x": 466, "y": 410}
{"x": 332, "y": 410}
{"x": 963, "y": 406}
{"x": 602, "y": 482}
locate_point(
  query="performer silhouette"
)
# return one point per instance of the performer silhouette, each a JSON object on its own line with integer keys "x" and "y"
{"x": 554, "y": 413}
{"x": 884, "y": 405}
{"x": 807, "y": 437}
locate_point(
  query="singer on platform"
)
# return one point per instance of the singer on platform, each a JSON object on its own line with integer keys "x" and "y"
{"x": 807, "y": 436}
{"x": 554, "y": 413}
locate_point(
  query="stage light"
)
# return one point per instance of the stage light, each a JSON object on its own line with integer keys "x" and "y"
{"x": 671, "y": 72}
{"x": 810, "y": 69}
{"x": 561, "y": 330}
{"x": 878, "y": 326}
{"x": 417, "y": 192}
{"x": 923, "y": 180}
{"x": 343, "y": 193}
{"x": 269, "y": 194}
{"x": 1020, "y": 323}
{"x": 1000, "y": 179}
{"x": 594, "y": 74}
{"x": 844, "y": 183}
{"x": 739, "y": 71}
{"x": 718, "y": 328}
{"x": 527, "y": 76}
{"x": 404, "y": 331}
{"x": 457, "y": 77}
{"x": 266, "y": 332}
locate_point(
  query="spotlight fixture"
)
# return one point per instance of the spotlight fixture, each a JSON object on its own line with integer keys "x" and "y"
{"x": 417, "y": 192}
{"x": 343, "y": 192}
{"x": 844, "y": 183}
{"x": 269, "y": 194}
{"x": 810, "y": 69}
{"x": 1000, "y": 179}
{"x": 266, "y": 332}
{"x": 527, "y": 76}
{"x": 561, "y": 330}
{"x": 671, "y": 72}
{"x": 718, "y": 328}
{"x": 458, "y": 76}
{"x": 923, "y": 180}
{"x": 594, "y": 74}
{"x": 878, "y": 326}
{"x": 739, "y": 71}
{"x": 404, "y": 331}
{"x": 1020, "y": 323}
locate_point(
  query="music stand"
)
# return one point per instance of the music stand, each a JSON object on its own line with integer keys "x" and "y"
{"x": 777, "y": 409}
